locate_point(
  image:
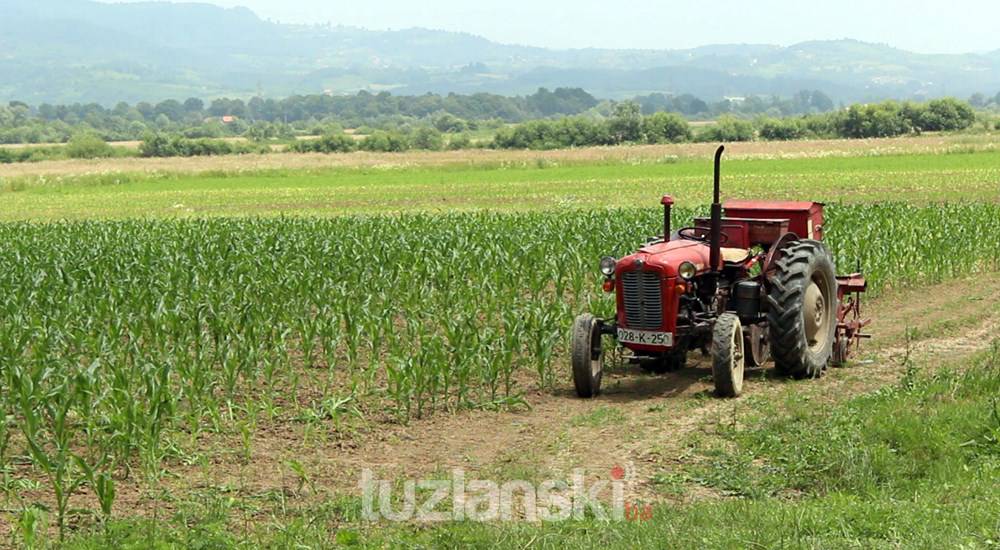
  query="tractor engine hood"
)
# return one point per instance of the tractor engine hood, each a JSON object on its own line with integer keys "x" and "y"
{"x": 667, "y": 257}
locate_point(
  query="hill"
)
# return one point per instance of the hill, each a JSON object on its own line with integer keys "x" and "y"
{"x": 79, "y": 50}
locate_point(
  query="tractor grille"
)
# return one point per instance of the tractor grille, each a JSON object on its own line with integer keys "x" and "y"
{"x": 643, "y": 302}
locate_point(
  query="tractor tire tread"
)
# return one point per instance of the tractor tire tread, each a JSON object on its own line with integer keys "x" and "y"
{"x": 587, "y": 384}
{"x": 722, "y": 356}
{"x": 785, "y": 301}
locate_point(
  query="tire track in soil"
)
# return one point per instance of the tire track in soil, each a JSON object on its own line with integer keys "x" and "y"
{"x": 646, "y": 421}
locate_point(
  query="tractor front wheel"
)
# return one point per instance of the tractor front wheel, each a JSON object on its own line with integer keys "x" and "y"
{"x": 587, "y": 355}
{"x": 757, "y": 346}
{"x": 727, "y": 356}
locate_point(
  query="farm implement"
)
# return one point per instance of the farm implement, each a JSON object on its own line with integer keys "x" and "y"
{"x": 752, "y": 282}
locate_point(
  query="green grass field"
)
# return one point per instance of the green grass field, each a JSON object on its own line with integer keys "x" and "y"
{"x": 206, "y": 360}
{"x": 540, "y": 185}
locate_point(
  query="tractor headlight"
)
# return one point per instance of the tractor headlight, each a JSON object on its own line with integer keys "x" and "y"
{"x": 687, "y": 271}
{"x": 608, "y": 266}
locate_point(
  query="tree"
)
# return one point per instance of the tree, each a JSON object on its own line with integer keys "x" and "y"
{"x": 194, "y": 105}
{"x": 20, "y": 112}
{"x": 121, "y": 109}
{"x": 260, "y": 131}
{"x": 449, "y": 123}
{"x": 947, "y": 114}
{"x": 626, "y": 122}
{"x": 162, "y": 121}
{"x": 665, "y": 128}
{"x": 563, "y": 101}
{"x": 820, "y": 102}
{"x": 47, "y": 112}
{"x": 427, "y": 138}
{"x": 886, "y": 119}
{"x": 171, "y": 108}
{"x": 146, "y": 109}
{"x": 690, "y": 105}
{"x": 225, "y": 106}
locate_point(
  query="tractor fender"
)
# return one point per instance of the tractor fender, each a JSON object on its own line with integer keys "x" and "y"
{"x": 774, "y": 254}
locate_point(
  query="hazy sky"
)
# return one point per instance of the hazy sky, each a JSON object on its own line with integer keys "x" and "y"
{"x": 933, "y": 26}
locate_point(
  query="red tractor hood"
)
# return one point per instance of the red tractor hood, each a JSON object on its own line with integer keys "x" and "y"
{"x": 668, "y": 256}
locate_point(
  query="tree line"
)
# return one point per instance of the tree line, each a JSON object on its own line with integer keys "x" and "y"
{"x": 317, "y": 114}
{"x": 625, "y": 124}
{"x": 628, "y": 125}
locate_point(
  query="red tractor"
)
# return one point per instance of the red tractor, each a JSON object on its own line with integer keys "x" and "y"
{"x": 753, "y": 281}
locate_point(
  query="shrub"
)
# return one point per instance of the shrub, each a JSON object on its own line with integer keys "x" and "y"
{"x": 449, "y": 123}
{"x": 330, "y": 143}
{"x": 160, "y": 145}
{"x": 387, "y": 142}
{"x": 776, "y": 129}
{"x": 155, "y": 145}
{"x": 554, "y": 134}
{"x": 728, "y": 128}
{"x": 211, "y": 129}
{"x": 460, "y": 141}
{"x": 88, "y": 146}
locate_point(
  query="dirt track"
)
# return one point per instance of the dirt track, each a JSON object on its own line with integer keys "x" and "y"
{"x": 649, "y": 421}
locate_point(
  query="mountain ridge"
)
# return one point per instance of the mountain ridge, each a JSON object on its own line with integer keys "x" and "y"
{"x": 86, "y": 51}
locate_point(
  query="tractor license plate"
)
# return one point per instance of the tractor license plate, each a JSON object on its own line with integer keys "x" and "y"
{"x": 629, "y": 336}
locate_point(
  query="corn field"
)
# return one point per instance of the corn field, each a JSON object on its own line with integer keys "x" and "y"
{"x": 117, "y": 335}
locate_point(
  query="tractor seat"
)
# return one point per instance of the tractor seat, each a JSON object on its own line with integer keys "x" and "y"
{"x": 734, "y": 255}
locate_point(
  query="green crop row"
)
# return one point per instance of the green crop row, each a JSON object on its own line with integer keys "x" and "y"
{"x": 117, "y": 335}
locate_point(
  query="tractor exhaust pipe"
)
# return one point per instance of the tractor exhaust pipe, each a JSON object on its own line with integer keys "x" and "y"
{"x": 715, "y": 235}
{"x": 667, "y": 201}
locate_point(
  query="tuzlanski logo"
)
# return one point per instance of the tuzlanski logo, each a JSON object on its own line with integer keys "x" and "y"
{"x": 460, "y": 498}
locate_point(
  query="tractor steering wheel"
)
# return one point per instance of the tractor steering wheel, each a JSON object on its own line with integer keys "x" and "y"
{"x": 701, "y": 236}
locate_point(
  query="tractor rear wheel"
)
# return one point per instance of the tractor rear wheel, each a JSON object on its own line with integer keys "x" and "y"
{"x": 727, "y": 356}
{"x": 802, "y": 314}
{"x": 587, "y": 355}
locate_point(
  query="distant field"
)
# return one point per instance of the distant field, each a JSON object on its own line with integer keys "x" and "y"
{"x": 914, "y": 170}
{"x": 637, "y": 153}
